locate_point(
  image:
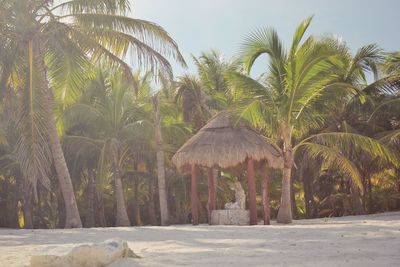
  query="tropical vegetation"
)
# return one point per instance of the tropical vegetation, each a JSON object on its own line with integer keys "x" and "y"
{"x": 87, "y": 136}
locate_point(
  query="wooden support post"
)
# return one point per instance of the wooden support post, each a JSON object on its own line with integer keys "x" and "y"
{"x": 194, "y": 197}
{"x": 212, "y": 188}
{"x": 252, "y": 192}
{"x": 265, "y": 194}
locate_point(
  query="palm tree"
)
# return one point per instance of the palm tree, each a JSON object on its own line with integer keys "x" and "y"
{"x": 107, "y": 119}
{"x": 165, "y": 125}
{"x": 56, "y": 42}
{"x": 23, "y": 133}
{"x": 202, "y": 95}
{"x": 143, "y": 88}
{"x": 386, "y": 90}
{"x": 211, "y": 69}
{"x": 287, "y": 103}
{"x": 160, "y": 161}
{"x": 194, "y": 101}
{"x": 348, "y": 110}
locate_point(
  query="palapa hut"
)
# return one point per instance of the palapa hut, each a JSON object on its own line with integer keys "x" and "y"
{"x": 227, "y": 143}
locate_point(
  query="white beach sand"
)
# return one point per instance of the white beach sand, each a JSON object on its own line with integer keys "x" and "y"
{"x": 372, "y": 240}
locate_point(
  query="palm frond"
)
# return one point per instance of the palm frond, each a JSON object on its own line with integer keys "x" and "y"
{"x": 146, "y": 32}
{"x": 382, "y": 105}
{"x": 334, "y": 159}
{"x": 392, "y": 138}
{"x": 298, "y": 35}
{"x": 366, "y": 59}
{"x": 265, "y": 41}
{"x": 32, "y": 149}
{"x": 392, "y": 63}
{"x": 94, "y": 6}
{"x": 69, "y": 69}
{"x": 354, "y": 143}
{"x": 386, "y": 86}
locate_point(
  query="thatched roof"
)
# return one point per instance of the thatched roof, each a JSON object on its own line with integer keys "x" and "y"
{"x": 225, "y": 143}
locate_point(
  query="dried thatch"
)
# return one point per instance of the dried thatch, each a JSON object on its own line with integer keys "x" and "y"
{"x": 225, "y": 143}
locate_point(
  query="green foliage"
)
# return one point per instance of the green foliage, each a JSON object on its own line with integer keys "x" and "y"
{"x": 313, "y": 100}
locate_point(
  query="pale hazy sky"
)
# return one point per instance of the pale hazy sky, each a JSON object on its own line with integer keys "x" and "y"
{"x": 221, "y": 24}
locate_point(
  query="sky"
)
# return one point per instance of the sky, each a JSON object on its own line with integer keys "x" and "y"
{"x": 222, "y": 24}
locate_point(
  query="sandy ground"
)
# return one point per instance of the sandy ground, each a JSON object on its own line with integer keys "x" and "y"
{"x": 372, "y": 240}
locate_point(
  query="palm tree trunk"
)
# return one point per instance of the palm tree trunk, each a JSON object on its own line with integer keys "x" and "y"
{"x": 27, "y": 206}
{"x": 14, "y": 210}
{"x": 293, "y": 198}
{"x": 100, "y": 213}
{"x": 356, "y": 200}
{"x": 306, "y": 173}
{"x": 308, "y": 194}
{"x": 60, "y": 209}
{"x": 370, "y": 204}
{"x": 151, "y": 205}
{"x": 138, "y": 216}
{"x": 72, "y": 219}
{"x": 122, "y": 215}
{"x": 51, "y": 199}
{"x": 265, "y": 194}
{"x": 162, "y": 190}
{"x": 285, "y": 209}
{"x": 136, "y": 206}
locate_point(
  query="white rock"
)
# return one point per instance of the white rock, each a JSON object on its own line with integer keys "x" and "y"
{"x": 230, "y": 217}
{"x": 90, "y": 255}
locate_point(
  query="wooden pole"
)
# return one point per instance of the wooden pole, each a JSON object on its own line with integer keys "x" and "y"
{"x": 252, "y": 191}
{"x": 212, "y": 188}
{"x": 265, "y": 194}
{"x": 194, "y": 198}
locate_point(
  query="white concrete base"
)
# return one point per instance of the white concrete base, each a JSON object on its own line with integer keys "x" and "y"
{"x": 230, "y": 217}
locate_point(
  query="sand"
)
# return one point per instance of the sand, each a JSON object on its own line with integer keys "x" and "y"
{"x": 372, "y": 240}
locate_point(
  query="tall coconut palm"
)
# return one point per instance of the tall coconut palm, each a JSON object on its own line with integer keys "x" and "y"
{"x": 166, "y": 124}
{"x": 143, "y": 89}
{"x": 287, "y": 102}
{"x": 347, "y": 110}
{"x": 345, "y": 107}
{"x": 58, "y": 38}
{"x": 107, "y": 119}
{"x": 23, "y": 126}
{"x": 160, "y": 161}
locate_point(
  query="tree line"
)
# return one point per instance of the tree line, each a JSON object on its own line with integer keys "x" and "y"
{"x": 87, "y": 140}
